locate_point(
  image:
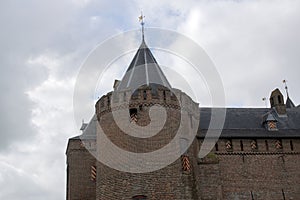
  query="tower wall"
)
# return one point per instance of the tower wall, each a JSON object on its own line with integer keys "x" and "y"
{"x": 171, "y": 182}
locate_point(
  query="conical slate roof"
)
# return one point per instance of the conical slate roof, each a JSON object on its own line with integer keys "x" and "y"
{"x": 289, "y": 103}
{"x": 89, "y": 131}
{"x": 143, "y": 70}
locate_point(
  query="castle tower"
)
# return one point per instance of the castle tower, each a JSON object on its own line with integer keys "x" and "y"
{"x": 143, "y": 86}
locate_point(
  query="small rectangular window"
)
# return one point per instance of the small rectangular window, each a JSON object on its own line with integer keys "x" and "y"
{"x": 241, "y": 144}
{"x": 266, "y": 144}
{"x": 291, "y": 144}
{"x": 164, "y": 94}
{"x": 133, "y": 114}
{"x": 279, "y": 100}
{"x": 283, "y": 194}
{"x": 216, "y": 146}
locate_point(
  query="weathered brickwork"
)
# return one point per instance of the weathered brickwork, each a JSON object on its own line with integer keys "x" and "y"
{"x": 243, "y": 172}
{"x": 237, "y": 168}
{"x": 248, "y": 174}
{"x": 79, "y": 162}
{"x": 167, "y": 183}
{"x": 257, "y": 156}
{"x": 171, "y": 182}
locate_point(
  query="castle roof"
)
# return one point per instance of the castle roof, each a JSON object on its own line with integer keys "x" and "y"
{"x": 239, "y": 123}
{"x": 90, "y": 131}
{"x": 248, "y": 123}
{"x": 289, "y": 103}
{"x": 143, "y": 70}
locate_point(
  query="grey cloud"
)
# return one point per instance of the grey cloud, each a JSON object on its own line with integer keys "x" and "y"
{"x": 253, "y": 50}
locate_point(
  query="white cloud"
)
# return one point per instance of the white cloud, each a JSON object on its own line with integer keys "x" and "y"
{"x": 254, "y": 45}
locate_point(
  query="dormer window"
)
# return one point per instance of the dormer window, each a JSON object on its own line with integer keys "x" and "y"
{"x": 277, "y": 102}
{"x": 272, "y": 126}
{"x": 270, "y": 122}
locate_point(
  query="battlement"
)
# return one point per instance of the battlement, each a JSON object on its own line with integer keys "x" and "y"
{"x": 145, "y": 96}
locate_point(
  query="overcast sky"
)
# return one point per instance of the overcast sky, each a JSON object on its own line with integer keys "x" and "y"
{"x": 254, "y": 45}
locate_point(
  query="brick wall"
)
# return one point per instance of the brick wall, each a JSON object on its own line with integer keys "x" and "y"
{"x": 79, "y": 162}
{"x": 251, "y": 174}
{"x": 170, "y": 182}
{"x": 242, "y": 172}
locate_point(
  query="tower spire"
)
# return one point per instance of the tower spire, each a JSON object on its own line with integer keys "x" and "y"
{"x": 289, "y": 103}
{"x": 141, "y": 20}
{"x": 286, "y": 88}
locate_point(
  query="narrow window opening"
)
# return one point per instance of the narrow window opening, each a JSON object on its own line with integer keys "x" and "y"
{"x": 242, "y": 146}
{"x": 283, "y": 195}
{"x": 291, "y": 144}
{"x": 133, "y": 114}
{"x": 252, "y": 197}
{"x": 279, "y": 99}
{"x": 145, "y": 95}
{"x": 216, "y": 146}
{"x": 164, "y": 94}
{"x": 132, "y": 111}
{"x": 266, "y": 144}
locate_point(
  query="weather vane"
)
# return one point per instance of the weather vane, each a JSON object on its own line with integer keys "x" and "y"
{"x": 286, "y": 87}
{"x": 141, "y": 20}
